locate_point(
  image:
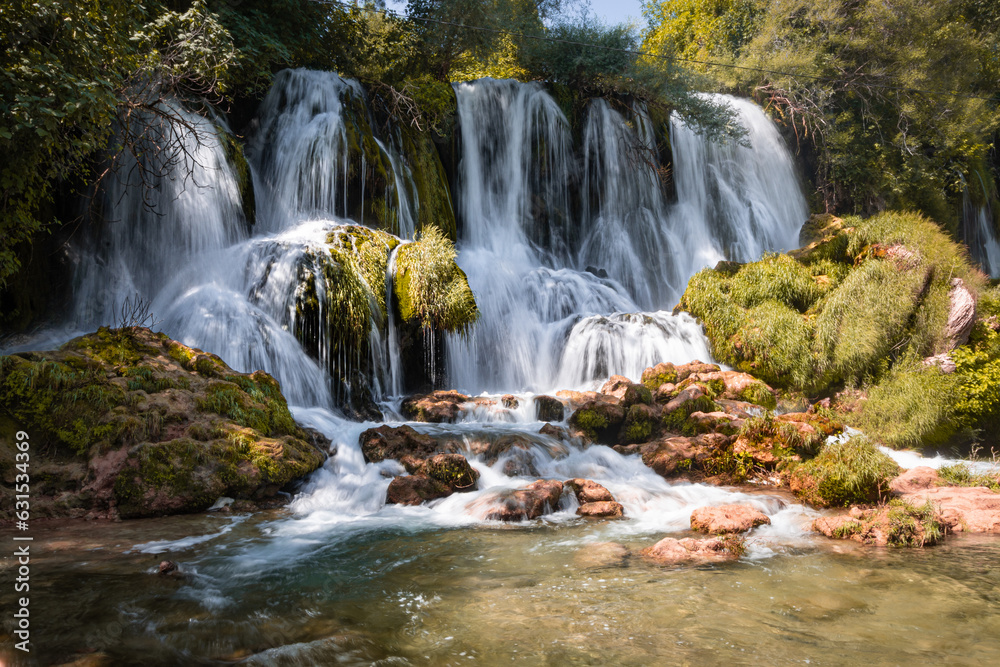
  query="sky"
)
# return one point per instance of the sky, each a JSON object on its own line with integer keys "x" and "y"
{"x": 610, "y": 11}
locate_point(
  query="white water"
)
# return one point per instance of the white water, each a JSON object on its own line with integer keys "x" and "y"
{"x": 562, "y": 285}
{"x": 570, "y": 291}
{"x": 980, "y": 236}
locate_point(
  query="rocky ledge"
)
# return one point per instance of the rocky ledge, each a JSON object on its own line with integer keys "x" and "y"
{"x": 128, "y": 423}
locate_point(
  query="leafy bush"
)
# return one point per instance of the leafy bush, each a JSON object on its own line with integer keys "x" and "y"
{"x": 431, "y": 288}
{"x": 845, "y": 473}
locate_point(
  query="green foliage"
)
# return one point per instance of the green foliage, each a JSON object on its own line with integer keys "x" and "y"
{"x": 773, "y": 344}
{"x": 775, "y": 277}
{"x": 860, "y": 107}
{"x": 846, "y": 473}
{"x": 430, "y": 287}
{"x": 912, "y": 526}
{"x": 962, "y": 474}
{"x": 913, "y": 406}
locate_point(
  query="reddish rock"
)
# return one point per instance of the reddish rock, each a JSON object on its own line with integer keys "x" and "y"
{"x": 415, "y": 490}
{"x": 529, "y": 503}
{"x": 677, "y": 455}
{"x": 696, "y": 366}
{"x": 659, "y": 375}
{"x": 577, "y": 398}
{"x": 687, "y": 395}
{"x": 727, "y": 519}
{"x": 452, "y": 470}
{"x": 915, "y": 479}
{"x": 963, "y": 509}
{"x": 510, "y": 401}
{"x": 549, "y": 409}
{"x": 436, "y": 407}
{"x": 713, "y": 421}
{"x": 665, "y": 392}
{"x": 401, "y": 443}
{"x": 884, "y": 525}
{"x": 616, "y": 386}
{"x": 552, "y": 431}
{"x": 739, "y": 409}
{"x": 588, "y": 491}
{"x": 671, "y": 551}
{"x": 608, "y": 509}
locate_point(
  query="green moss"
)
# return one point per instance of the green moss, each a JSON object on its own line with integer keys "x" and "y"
{"x": 758, "y": 394}
{"x": 774, "y": 278}
{"x": 430, "y": 288}
{"x": 664, "y": 373}
{"x": 241, "y": 170}
{"x": 639, "y": 425}
{"x": 773, "y": 343}
{"x": 679, "y": 420}
{"x": 846, "y": 473}
{"x": 265, "y": 414}
{"x": 589, "y": 421}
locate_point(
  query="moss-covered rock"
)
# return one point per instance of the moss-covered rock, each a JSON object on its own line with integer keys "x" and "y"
{"x": 430, "y": 288}
{"x": 134, "y": 424}
{"x": 897, "y": 523}
{"x": 598, "y": 420}
{"x": 844, "y": 473}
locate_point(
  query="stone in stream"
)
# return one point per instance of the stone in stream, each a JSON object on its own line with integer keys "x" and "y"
{"x": 549, "y": 408}
{"x": 437, "y": 477}
{"x": 727, "y": 519}
{"x": 598, "y": 421}
{"x": 588, "y": 491}
{"x": 671, "y": 551}
{"x": 436, "y": 407}
{"x": 626, "y": 391}
{"x": 605, "y": 509}
{"x": 510, "y": 401}
{"x": 601, "y": 554}
{"x": 401, "y": 443}
{"x": 530, "y": 502}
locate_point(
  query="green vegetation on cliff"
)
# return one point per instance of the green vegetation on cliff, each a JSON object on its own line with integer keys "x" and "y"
{"x": 129, "y": 423}
{"x": 868, "y": 305}
{"x": 430, "y": 288}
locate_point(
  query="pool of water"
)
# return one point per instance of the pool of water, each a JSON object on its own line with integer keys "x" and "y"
{"x": 545, "y": 593}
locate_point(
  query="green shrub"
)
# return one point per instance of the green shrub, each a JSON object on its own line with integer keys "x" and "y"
{"x": 775, "y": 277}
{"x": 431, "y": 288}
{"x": 845, "y": 473}
{"x": 961, "y": 474}
{"x": 913, "y": 406}
{"x": 774, "y": 344}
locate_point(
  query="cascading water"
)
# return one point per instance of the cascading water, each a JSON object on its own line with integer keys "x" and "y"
{"x": 980, "y": 235}
{"x": 554, "y": 277}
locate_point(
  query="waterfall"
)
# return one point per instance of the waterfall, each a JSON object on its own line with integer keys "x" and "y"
{"x": 980, "y": 234}
{"x": 573, "y": 250}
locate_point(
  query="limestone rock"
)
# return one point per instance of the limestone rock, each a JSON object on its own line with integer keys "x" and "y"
{"x": 598, "y": 420}
{"x": 671, "y": 551}
{"x": 530, "y": 502}
{"x": 727, "y": 519}
{"x": 588, "y": 491}
{"x": 915, "y": 479}
{"x": 401, "y": 443}
{"x": 658, "y": 375}
{"x": 601, "y": 554}
{"x": 607, "y": 509}
{"x": 415, "y": 490}
{"x": 437, "y": 407}
{"x": 549, "y": 408}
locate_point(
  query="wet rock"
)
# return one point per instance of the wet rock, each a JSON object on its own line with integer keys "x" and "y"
{"x": 510, "y": 401}
{"x": 531, "y": 502}
{"x": 127, "y": 423}
{"x": 549, "y": 409}
{"x": 588, "y": 491}
{"x": 415, "y": 490}
{"x": 437, "y": 407}
{"x": 973, "y": 509}
{"x": 616, "y": 386}
{"x": 696, "y": 366}
{"x": 601, "y": 554}
{"x": 691, "y": 393}
{"x": 167, "y": 567}
{"x": 642, "y": 423}
{"x": 626, "y": 391}
{"x": 608, "y": 509}
{"x": 915, "y": 479}
{"x": 520, "y": 464}
{"x": 680, "y": 455}
{"x": 671, "y": 551}
{"x": 598, "y": 420}
{"x": 557, "y": 432}
{"x": 727, "y": 519}
{"x": 575, "y": 399}
{"x": 452, "y": 470}
{"x": 401, "y": 443}
{"x": 659, "y": 375}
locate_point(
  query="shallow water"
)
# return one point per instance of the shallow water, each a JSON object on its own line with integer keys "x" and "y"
{"x": 496, "y": 595}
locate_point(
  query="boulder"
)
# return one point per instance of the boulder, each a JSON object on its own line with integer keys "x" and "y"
{"x": 671, "y": 551}
{"x": 627, "y": 392}
{"x": 974, "y": 509}
{"x": 588, "y": 491}
{"x": 665, "y": 392}
{"x": 705, "y": 422}
{"x": 437, "y": 407}
{"x": 696, "y": 366}
{"x": 608, "y": 509}
{"x": 401, "y": 443}
{"x": 598, "y": 420}
{"x": 557, "y": 432}
{"x": 660, "y": 374}
{"x": 510, "y": 401}
{"x": 452, "y": 470}
{"x": 894, "y": 524}
{"x": 680, "y": 455}
{"x": 127, "y": 423}
{"x": 530, "y": 502}
{"x": 642, "y": 423}
{"x": 616, "y": 386}
{"x": 915, "y": 479}
{"x": 691, "y": 393}
{"x": 415, "y": 490}
{"x": 549, "y": 409}
{"x": 727, "y": 519}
